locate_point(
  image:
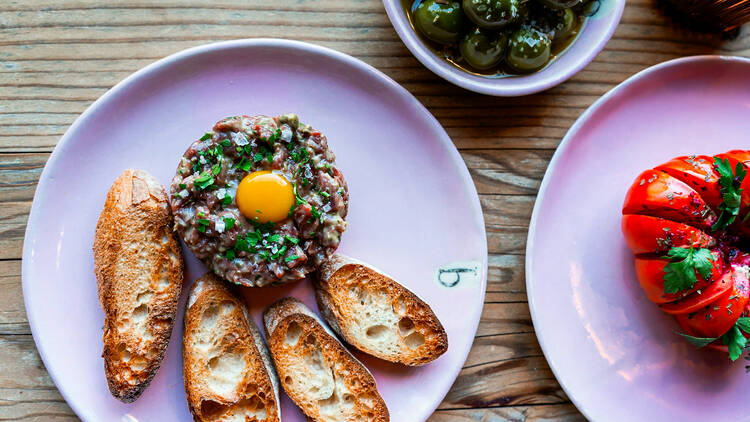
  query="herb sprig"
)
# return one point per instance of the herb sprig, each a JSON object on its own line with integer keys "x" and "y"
{"x": 733, "y": 339}
{"x": 730, "y": 191}
{"x": 679, "y": 274}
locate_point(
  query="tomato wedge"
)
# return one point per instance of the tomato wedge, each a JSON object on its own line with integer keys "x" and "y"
{"x": 720, "y": 315}
{"x": 698, "y": 172}
{"x": 658, "y": 194}
{"x": 646, "y": 234}
{"x": 698, "y": 300}
{"x": 650, "y": 273}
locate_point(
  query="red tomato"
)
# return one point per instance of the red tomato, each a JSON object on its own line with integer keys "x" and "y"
{"x": 719, "y": 316}
{"x": 658, "y": 194}
{"x": 650, "y": 273}
{"x": 698, "y": 300}
{"x": 698, "y": 172}
{"x": 646, "y": 234}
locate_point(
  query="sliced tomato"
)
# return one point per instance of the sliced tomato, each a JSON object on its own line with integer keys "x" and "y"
{"x": 742, "y": 156}
{"x": 650, "y": 273}
{"x": 659, "y": 194}
{"x": 646, "y": 234}
{"x": 698, "y": 173}
{"x": 720, "y": 315}
{"x": 700, "y": 299}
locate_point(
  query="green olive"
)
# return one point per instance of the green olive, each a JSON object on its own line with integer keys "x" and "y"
{"x": 559, "y": 25}
{"x": 561, "y": 4}
{"x": 440, "y": 20}
{"x": 565, "y": 25}
{"x": 529, "y": 50}
{"x": 483, "y": 49}
{"x": 495, "y": 14}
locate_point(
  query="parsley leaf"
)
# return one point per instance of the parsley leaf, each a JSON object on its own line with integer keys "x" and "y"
{"x": 226, "y": 142}
{"x": 735, "y": 342}
{"x": 697, "y": 341}
{"x": 216, "y": 169}
{"x": 230, "y": 254}
{"x": 680, "y": 275}
{"x": 228, "y": 223}
{"x": 292, "y": 240}
{"x": 730, "y": 191}
{"x": 744, "y": 324}
{"x": 206, "y": 136}
{"x": 204, "y": 181}
{"x": 291, "y": 258}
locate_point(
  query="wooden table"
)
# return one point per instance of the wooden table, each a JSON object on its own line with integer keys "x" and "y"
{"x": 58, "y": 56}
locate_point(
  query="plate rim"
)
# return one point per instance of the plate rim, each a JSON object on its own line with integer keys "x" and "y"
{"x": 445, "y": 140}
{"x": 426, "y": 57}
{"x": 566, "y": 142}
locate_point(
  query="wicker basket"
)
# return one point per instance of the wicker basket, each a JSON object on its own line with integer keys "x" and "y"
{"x": 722, "y": 14}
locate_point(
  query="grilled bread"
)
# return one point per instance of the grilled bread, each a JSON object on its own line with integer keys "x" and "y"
{"x": 316, "y": 371}
{"x": 227, "y": 369}
{"x": 377, "y": 315}
{"x": 139, "y": 270}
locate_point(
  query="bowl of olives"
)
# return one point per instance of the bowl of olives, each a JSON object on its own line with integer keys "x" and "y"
{"x": 505, "y": 47}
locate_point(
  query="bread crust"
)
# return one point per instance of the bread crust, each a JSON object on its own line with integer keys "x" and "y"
{"x": 305, "y": 352}
{"x": 343, "y": 282}
{"x": 139, "y": 270}
{"x": 226, "y": 366}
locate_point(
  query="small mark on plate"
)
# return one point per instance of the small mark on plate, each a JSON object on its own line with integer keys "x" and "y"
{"x": 462, "y": 274}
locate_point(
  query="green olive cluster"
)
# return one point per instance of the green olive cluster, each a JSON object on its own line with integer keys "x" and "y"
{"x": 487, "y": 32}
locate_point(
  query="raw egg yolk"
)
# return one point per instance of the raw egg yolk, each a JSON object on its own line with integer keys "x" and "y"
{"x": 266, "y": 196}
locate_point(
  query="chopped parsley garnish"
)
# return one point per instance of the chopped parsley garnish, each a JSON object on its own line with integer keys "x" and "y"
{"x": 228, "y": 223}
{"x": 206, "y": 136}
{"x": 183, "y": 186}
{"x": 323, "y": 194}
{"x": 314, "y": 212}
{"x": 292, "y": 240}
{"x": 679, "y": 274}
{"x": 274, "y": 136}
{"x": 274, "y": 238}
{"x": 204, "y": 181}
{"x": 226, "y": 142}
{"x": 202, "y": 224}
{"x": 730, "y": 191}
{"x": 291, "y": 258}
{"x": 230, "y": 254}
{"x": 227, "y": 199}
{"x": 245, "y": 164}
{"x": 216, "y": 169}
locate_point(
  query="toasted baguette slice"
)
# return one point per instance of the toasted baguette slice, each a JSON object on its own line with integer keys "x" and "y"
{"x": 227, "y": 370}
{"x": 139, "y": 270}
{"x": 377, "y": 315}
{"x": 316, "y": 371}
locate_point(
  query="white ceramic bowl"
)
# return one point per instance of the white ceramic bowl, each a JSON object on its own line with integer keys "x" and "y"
{"x": 597, "y": 30}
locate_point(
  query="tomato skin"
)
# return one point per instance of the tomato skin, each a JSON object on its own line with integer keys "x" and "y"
{"x": 658, "y": 194}
{"x": 698, "y": 173}
{"x": 650, "y": 273}
{"x": 720, "y": 315}
{"x": 697, "y": 300}
{"x": 646, "y": 234}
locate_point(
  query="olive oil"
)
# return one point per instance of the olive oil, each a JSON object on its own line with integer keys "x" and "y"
{"x": 451, "y": 53}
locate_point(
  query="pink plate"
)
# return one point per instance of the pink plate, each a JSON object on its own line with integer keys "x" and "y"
{"x": 614, "y": 352}
{"x": 413, "y": 208}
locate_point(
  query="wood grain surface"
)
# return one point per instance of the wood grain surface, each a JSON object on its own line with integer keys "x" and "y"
{"x": 58, "y": 56}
